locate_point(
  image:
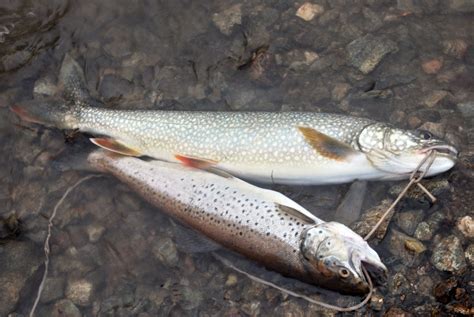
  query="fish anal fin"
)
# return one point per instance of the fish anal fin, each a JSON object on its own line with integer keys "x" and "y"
{"x": 326, "y": 145}
{"x": 115, "y": 146}
{"x": 294, "y": 212}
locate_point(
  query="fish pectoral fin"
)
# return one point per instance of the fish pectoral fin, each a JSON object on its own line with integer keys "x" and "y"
{"x": 327, "y": 146}
{"x": 295, "y": 212}
{"x": 115, "y": 146}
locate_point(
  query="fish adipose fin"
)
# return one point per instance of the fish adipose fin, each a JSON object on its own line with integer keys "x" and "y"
{"x": 115, "y": 146}
{"x": 203, "y": 164}
{"x": 326, "y": 145}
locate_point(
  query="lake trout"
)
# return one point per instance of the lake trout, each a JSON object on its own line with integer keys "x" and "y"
{"x": 271, "y": 147}
{"x": 261, "y": 224}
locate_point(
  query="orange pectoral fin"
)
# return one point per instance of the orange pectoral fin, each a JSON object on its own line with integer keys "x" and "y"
{"x": 115, "y": 146}
{"x": 195, "y": 162}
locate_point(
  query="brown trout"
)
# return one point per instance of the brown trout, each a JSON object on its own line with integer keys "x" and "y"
{"x": 261, "y": 224}
{"x": 285, "y": 147}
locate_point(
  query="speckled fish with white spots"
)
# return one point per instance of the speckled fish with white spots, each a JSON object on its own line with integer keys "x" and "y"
{"x": 261, "y": 224}
{"x": 285, "y": 147}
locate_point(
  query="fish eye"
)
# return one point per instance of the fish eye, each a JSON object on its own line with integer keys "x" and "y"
{"x": 425, "y": 135}
{"x": 344, "y": 273}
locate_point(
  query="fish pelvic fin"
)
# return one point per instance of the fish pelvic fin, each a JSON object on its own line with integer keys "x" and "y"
{"x": 115, "y": 146}
{"x": 204, "y": 164}
{"x": 327, "y": 146}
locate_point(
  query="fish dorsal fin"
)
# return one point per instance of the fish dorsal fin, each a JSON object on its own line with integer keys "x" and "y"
{"x": 115, "y": 146}
{"x": 72, "y": 81}
{"x": 296, "y": 213}
{"x": 327, "y": 146}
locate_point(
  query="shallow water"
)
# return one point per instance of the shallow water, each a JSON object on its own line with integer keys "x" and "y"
{"x": 114, "y": 254}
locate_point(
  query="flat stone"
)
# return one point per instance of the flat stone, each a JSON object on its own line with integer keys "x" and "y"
{"x": 367, "y": 52}
{"x": 307, "y": 11}
{"x": 79, "y": 291}
{"x": 448, "y": 255}
{"x": 407, "y": 221}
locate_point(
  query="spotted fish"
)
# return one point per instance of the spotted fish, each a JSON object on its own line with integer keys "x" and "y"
{"x": 261, "y": 224}
{"x": 278, "y": 147}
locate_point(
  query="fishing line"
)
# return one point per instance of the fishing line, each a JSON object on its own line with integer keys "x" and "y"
{"x": 48, "y": 237}
{"x": 415, "y": 178}
{"x": 294, "y": 294}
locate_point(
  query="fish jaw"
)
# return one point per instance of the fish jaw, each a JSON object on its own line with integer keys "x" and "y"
{"x": 340, "y": 254}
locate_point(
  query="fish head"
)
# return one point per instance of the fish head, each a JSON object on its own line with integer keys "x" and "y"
{"x": 399, "y": 152}
{"x": 338, "y": 254}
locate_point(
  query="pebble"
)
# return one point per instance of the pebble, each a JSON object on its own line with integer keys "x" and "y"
{"x": 469, "y": 254}
{"x": 367, "y": 52}
{"x": 231, "y": 280}
{"x": 432, "y": 66}
{"x": 414, "y": 245}
{"x": 434, "y": 98}
{"x": 426, "y": 229}
{"x": 227, "y": 19}
{"x": 455, "y": 47}
{"x": 165, "y": 250}
{"x": 339, "y": 91}
{"x": 448, "y": 255}
{"x": 65, "y": 308}
{"x": 466, "y": 226}
{"x": 408, "y": 220}
{"x": 95, "y": 232}
{"x": 79, "y": 291}
{"x": 307, "y": 11}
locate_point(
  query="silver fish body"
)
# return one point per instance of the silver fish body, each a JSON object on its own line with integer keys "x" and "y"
{"x": 286, "y": 147}
{"x": 261, "y": 224}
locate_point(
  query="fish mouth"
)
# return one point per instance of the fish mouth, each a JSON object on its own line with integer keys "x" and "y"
{"x": 377, "y": 272}
{"x": 447, "y": 150}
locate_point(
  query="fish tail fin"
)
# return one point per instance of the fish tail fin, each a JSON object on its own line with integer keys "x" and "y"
{"x": 55, "y": 113}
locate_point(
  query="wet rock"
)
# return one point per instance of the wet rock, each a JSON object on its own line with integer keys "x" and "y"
{"x": 426, "y": 229}
{"x": 94, "y": 232}
{"x": 398, "y": 284}
{"x": 339, "y": 91}
{"x": 252, "y": 308}
{"x": 65, "y": 308}
{"x": 448, "y": 255}
{"x": 192, "y": 297}
{"x": 466, "y": 226}
{"x": 391, "y": 81}
{"x": 300, "y": 60}
{"x": 225, "y": 20}
{"x": 404, "y": 246}
{"x": 367, "y": 52}
{"x": 114, "y": 87}
{"x": 469, "y": 254}
{"x": 165, "y": 250}
{"x": 289, "y": 309}
{"x": 407, "y": 221}
{"x": 464, "y": 6}
{"x": 371, "y": 217}
{"x": 397, "y": 312}
{"x": 445, "y": 290}
{"x": 53, "y": 289}
{"x": 307, "y": 11}
{"x": 118, "y": 45}
{"x": 434, "y": 98}
{"x": 467, "y": 109}
{"x": 455, "y": 47}
{"x": 45, "y": 86}
{"x": 80, "y": 291}
{"x": 436, "y": 187}
{"x": 432, "y": 66}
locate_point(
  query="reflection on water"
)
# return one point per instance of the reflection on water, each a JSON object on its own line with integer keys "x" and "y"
{"x": 408, "y": 63}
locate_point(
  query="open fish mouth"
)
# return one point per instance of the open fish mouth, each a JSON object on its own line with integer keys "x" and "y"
{"x": 377, "y": 273}
{"x": 442, "y": 149}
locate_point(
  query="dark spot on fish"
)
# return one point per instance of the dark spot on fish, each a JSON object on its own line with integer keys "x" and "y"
{"x": 268, "y": 233}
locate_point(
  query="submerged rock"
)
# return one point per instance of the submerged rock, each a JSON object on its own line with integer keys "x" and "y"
{"x": 371, "y": 217}
{"x": 308, "y": 11}
{"x": 80, "y": 291}
{"x": 65, "y": 308}
{"x": 448, "y": 255}
{"x": 466, "y": 226}
{"x": 367, "y": 52}
{"x": 225, "y": 20}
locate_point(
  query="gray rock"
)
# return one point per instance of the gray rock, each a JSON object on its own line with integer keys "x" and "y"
{"x": 448, "y": 255}
{"x": 371, "y": 217}
{"x": 112, "y": 86}
{"x": 426, "y": 229}
{"x": 80, "y": 291}
{"x": 467, "y": 109}
{"x": 53, "y": 289}
{"x": 366, "y": 52}
{"x": 225, "y": 20}
{"x": 65, "y": 308}
{"x": 464, "y": 6}
{"x": 118, "y": 44}
{"x": 165, "y": 250}
{"x": 408, "y": 221}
